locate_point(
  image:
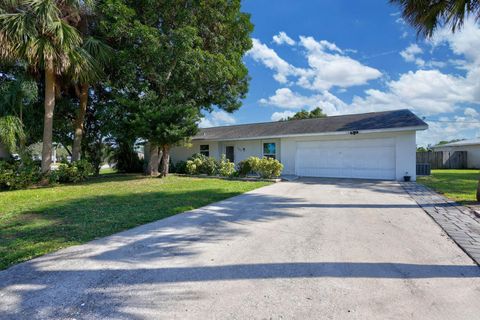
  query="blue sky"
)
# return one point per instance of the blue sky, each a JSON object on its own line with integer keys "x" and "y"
{"x": 358, "y": 56}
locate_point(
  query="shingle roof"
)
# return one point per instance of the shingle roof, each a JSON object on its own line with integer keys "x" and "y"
{"x": 395, "y": 119}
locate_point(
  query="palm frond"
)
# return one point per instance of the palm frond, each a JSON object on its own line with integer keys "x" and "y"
{"x": 84, "y": 68}
{"x": 11, "y": 132}
{"x": 428, "y": 15}
{"x": 98, "y": 49}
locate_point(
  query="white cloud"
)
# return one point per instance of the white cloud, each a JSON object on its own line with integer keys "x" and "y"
{"x": 465, "y": 42}
{"x": 453, "y": 96}
{"x": 470, "y": 112}
{"x": 328, "y": 66}
{"x": 286, "y": 99}
{"x": 425, "y": 91}
{"x": 277, "y": 116}
{"x": 410, "y": 54}
{"x": 217, "y": 118}
{"x": 283, "y": 38}
{"x": 449, "y": 128}
{"x": 268, "y": 57}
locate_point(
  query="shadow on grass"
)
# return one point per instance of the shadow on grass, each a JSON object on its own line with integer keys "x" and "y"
{"x": 29, "y": 234}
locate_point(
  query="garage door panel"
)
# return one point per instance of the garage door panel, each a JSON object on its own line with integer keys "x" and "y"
{"x": 372, "y": 158}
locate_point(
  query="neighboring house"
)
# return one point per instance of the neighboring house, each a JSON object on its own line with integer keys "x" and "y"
{"x": 378, "y": 145}
{"x": 4, "y": 154}
{"x": 471, "y": 146}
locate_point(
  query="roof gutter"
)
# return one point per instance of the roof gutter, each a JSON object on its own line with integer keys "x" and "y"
{"x": 333, "y": 133}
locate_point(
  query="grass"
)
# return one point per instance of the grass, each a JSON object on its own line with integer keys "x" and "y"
{"x": 458, "y": 185}
{"x": 107, "y": 171}
{"x": 37, "y": 221}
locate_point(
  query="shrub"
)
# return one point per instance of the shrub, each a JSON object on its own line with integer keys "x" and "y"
{"x": 247, "y": 166}
{"x": 225, "y": 167}
{"x": 200, "y": 164}
{"x": 269, "y": 168}
{"x": 192, "y": 166}
{"x": 126, "y": 159}
{"x": 74, "y": 172}
{"x": 181, "y": 167}
{"x": 19, "y": 174}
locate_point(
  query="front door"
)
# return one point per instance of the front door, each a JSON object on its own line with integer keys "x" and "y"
{"x": 230, "y": 153}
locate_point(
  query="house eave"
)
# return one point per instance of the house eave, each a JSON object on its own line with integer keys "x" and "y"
{"x": 333, "y": 133}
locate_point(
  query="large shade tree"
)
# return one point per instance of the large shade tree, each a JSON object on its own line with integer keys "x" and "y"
{"x": 39, "y": 34}
{"x": 188, "y": 53}
{"x": 426, "y": 16}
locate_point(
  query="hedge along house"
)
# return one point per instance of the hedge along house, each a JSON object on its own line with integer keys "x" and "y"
{"x": 378, "y": 145}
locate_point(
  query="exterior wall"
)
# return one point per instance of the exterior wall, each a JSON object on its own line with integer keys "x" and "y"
{"x": 405, "y": 148}
{"x": 3, "y": 152}
{"x": 243, "y": 149}
{"x": 405, "y": 155}
{"x": 185, "y": 152}
{"x": 473, "y": 154}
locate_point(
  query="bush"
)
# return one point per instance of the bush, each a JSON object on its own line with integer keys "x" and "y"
{"x": 126, "y": 159}
{"x": 200, "y": 164}
{"x": 74, "y": 172}
{"x": 269, "y": 168}
{"x": 19, "y": 175}
{"x": 247, "y": 166}
{"x": 181, "y": 167}
{"x": 225, "y": 167}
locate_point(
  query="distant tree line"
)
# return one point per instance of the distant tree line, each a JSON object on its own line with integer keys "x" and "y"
{"x": 304, "y": 114}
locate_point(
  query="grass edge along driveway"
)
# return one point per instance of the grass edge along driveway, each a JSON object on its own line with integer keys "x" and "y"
{"x": 38, "y": 221}
{"x": 458, "y": 185}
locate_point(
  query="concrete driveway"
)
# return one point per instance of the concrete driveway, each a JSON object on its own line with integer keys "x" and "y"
{"x": 309, "y": 249}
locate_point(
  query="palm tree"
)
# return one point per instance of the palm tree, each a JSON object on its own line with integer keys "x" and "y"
{"x": 37, "y": 32}
{"x": 11, "y": 132}
{"x": 95, "y": 54}
{"x": 427, "y": 15}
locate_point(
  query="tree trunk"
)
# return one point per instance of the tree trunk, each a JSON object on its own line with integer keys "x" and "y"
{"x": 49, "y": 105}
{"x": 153, "y": 161}
{"x": 478, "y": 191}
{"x": 79, "y": 120}
{"x": 165, "y": 160}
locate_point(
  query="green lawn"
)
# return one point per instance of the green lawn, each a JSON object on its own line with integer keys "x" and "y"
{"x": 458, "y": 185}
{"x": 37, "y": 221}
{"x": 107, "y": 171}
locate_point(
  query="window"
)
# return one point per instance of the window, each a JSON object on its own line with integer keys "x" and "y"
{"x": 205, "y": 150}
{"x": 270, "y": 150}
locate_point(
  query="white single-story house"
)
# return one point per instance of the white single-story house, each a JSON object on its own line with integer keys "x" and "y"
{"x": 471, "y": 146}
{"x": 377, "y": 145}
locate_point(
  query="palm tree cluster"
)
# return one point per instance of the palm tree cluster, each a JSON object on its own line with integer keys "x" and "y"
{"x": 50, "y": 37}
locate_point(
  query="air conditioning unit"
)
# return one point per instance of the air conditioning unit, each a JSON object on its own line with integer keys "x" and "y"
{"x": 423, "y": 169}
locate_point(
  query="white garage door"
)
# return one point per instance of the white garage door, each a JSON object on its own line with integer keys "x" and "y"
{"x": 368, "y": 159}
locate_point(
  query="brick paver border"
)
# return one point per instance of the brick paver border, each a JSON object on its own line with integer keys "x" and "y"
{"x": 459, "y": 222}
